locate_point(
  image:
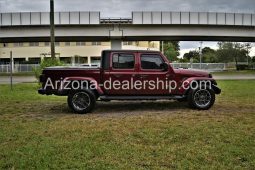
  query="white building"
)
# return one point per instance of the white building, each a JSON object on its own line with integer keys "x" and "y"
{"x": 69, "y": 52}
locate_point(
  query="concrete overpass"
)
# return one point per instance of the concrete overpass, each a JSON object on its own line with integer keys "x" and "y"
{"x": 154, "y": 26}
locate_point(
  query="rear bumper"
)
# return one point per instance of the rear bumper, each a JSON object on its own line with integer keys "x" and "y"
{"x": 42, "y": 91}
{"x": 216, "y": 89}
{"x": 50, "y": 92}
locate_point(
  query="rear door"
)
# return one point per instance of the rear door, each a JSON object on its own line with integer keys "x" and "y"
{"x": 123, "y": 70}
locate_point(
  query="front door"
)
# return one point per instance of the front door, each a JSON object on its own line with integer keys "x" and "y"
{"x": 155, "y": 80}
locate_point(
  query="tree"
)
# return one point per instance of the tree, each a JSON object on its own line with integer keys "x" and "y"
{"x": 171, "y": 49}
{"x": 209, "y": 55}
{"x": 192, "y": 55}
{"x": 253, "y": 59}
{"x": 229, "y": 52}
{"x": 207, "y": 50}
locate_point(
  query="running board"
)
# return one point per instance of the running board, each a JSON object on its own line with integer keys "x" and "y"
{"x": 141, "y": 97}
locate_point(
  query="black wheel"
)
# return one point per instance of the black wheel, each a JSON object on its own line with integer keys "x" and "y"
{"x": 81, "y": 101}
{"x": 201, "y": 99}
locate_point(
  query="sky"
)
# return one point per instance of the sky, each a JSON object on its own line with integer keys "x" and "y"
{"x": 123, "y": 8}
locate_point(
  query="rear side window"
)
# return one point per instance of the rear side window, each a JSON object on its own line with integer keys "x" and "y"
{"x": 151, "y": 61}
{"x": 123, "y": 61}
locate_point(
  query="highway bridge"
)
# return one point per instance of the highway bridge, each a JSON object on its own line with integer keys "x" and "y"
{"x": 149, "y": 26}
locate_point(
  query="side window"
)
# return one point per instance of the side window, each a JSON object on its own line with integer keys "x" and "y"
{"x": 123, "y": 61}
{"x": 151, "y": 61}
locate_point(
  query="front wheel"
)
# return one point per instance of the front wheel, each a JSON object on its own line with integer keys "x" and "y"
{"x": 81, "y": 101}
{"x": 202, "y": 99}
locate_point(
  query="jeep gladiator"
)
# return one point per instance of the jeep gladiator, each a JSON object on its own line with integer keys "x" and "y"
{"x": 129, "y": 75}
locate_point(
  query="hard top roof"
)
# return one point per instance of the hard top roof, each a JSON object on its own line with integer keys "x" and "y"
{"x": 142, "y": 51}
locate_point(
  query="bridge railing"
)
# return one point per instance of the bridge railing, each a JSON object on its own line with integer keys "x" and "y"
{"x": 88, "y": 18}
{"x": 193, "y": 18}
{"x": 115, "y": 20}
{"x": 43, "y": 18}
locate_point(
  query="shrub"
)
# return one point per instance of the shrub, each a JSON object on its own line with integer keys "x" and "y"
{"x": 48, "y": 62}
{"x": 242, "y": 67}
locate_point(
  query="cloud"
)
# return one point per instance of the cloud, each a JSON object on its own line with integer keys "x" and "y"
{"x": 187, "y": 46}
{"x": 123, "y": 8}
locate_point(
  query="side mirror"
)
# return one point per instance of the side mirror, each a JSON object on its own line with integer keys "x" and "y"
{"x": 164, "y": 66}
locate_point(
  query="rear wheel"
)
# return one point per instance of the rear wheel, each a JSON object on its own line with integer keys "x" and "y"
{"x": 81, "y": 101}
{"x": 201, "y": 99}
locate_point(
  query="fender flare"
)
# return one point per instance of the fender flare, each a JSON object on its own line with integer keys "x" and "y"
{"x": 185, "y": 85}
{"x": 89, "y": 79}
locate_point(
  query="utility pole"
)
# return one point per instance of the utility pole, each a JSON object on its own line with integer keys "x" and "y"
{"x": 52, "y": 29}
{"x": 200, "y": 53}
{"x": 11, "y": 70}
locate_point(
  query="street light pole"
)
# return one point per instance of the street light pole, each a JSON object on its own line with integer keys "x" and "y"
{"x": 52, "y": 29}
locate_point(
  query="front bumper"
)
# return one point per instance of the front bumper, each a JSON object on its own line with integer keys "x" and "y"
{"x": 55, "y": 92}
{"x": 216, "y": 89}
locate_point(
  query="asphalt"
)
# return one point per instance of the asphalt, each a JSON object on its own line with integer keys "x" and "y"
{"x": 17, "y": 79}
{"x": 235, "y": 77}
{"x": 30, "y": 79}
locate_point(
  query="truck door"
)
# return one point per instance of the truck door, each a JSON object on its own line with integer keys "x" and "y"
{"x": 123, "y": 70}
{"x": 154, "y": 78}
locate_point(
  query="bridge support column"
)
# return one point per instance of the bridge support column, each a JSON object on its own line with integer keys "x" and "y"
{"x": 116, "y": 44}
{"x": 73, "y": 60}
{"x": 89, "y": 60}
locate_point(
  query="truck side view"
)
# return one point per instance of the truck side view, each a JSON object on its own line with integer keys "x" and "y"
{"x": 129, "y": 75}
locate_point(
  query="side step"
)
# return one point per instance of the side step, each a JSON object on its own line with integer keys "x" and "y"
{"x": 141, "y": 97}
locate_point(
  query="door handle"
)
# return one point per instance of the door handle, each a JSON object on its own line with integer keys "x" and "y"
{"x": 117, "y": 75}
{"x": 143, "y": 76}
{"x": 134, "y": 75}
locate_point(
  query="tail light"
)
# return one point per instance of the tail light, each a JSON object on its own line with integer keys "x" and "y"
{"x": 42, "y": 78}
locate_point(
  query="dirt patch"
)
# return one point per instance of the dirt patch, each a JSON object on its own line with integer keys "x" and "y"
{"x": 55, "y": 110}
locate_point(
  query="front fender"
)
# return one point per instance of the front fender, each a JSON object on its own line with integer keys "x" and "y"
{"x": 201, "y": 81}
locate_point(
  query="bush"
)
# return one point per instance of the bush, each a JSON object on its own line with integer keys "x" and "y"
{"x": 48, "y": 62}
{"x": 242, "y": 67}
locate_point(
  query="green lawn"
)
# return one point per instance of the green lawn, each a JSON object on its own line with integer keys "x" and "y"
{"x": 39, "y": 132}
{"x": 234, "y": 72}
{"x": 19, "y": 74}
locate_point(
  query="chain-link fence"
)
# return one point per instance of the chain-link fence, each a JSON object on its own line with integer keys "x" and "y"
{"x": 202, "y": 66}
{"x": 5, "y": 68}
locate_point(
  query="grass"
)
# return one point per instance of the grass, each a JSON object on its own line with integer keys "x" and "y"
{"x": 234, "y": 72}
{"x": 19, "y": 74}
{"x": 39, "y": 132}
